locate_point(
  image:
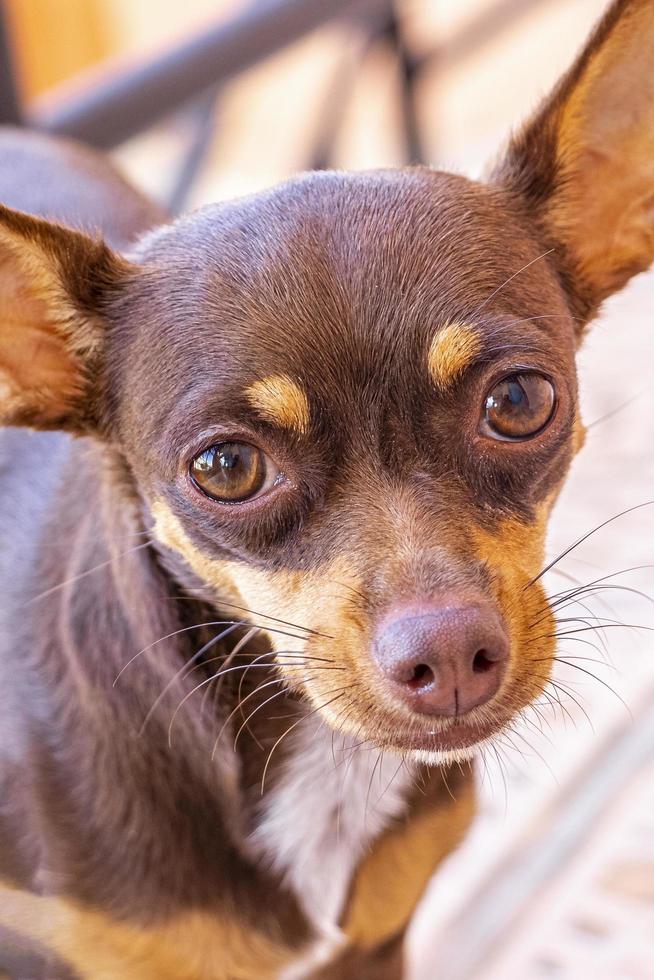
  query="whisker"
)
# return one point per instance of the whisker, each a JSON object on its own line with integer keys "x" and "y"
{"x": 209, "y": 680}
{"x": 620, "y": 408}
{"x": 293, "y": 726}
{"x": 589, "y": 673}
{"x": 247, "y": 720}
{"x": 185, "y": 670}
{"x": 372, "y": 776}
{"x": 542, "y": 316}
{"x": 233, "y": 654}
{"x": 558, "y": 685}
{"x": 197, "y": 626}
{"x": 89, "y": 571}
{"x": 629, "y": 510}
{"x": 274, "y": 619}
{"x": 604, "y": 626}
{"x": 510, "y": 279}
{"x": 494, "y": 748}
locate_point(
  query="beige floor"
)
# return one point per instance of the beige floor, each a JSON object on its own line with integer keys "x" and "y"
{"x": 557, "y": 878}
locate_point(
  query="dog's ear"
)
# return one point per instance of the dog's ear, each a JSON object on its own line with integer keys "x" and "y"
{"x": 584, "y": 164}
{"x": 54, "y": 283}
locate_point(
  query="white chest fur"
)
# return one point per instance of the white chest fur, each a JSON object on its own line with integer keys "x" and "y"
{"x": 329, "y": 805}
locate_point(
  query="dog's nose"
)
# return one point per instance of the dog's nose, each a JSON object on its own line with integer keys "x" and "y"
{"x": 443, "y": 659}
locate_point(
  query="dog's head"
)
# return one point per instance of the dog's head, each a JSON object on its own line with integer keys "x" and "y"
{"x": 350, "y": 402}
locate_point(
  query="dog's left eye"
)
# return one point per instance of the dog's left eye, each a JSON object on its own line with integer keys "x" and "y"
{"x": 519, "y": 406}
{"x": 232, "y": 472}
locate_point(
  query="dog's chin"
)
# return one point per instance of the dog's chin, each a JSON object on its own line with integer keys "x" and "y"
{"x": 445, "y": 743}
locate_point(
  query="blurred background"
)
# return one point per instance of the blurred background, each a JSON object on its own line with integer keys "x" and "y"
{"x": 212, "y": 98}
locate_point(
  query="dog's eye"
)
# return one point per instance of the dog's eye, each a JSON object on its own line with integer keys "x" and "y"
{"x": 519, "y": 406}
{"x": 233, "y": 471}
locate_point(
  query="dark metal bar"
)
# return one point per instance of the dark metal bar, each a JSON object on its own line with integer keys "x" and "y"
{"x": 10, "y": 108}
{"x": 329, "y": 112}
{"x": 414, "y": 150}
{"x": 203, "y": 119}
{"x": 112, "y": 110}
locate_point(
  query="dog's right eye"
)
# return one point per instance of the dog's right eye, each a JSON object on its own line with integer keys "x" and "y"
{"x": 232, "y": 472}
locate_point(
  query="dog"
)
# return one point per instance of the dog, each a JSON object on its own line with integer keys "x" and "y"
{"x": 260, "y": 614}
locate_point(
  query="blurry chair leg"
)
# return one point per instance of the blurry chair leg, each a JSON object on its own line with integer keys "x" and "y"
{"x": 414, "y": 150}
{"x": 386, "y": 29}
{"x": 203, "y": 115}
{"x": 330, "y": 113}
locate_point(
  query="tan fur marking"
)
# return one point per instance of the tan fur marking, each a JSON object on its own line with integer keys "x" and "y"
{"x": 297, "y": 597}
{"x": 514, "y": 554}
{"x": 392, "y": 878}
{"x": 290, "y": 595}
{"x": 452, "y": 350}
{"x": 579, "y": 434}
{"x": 280, "y": 400}
{"x": 277, "y": 594}
{"x": 192, "y": 946}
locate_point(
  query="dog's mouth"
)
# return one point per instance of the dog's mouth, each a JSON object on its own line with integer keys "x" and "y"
{"x": 435, "y": 740}
{"x": 460, "y": 737}
{"x": 443, "y": 739}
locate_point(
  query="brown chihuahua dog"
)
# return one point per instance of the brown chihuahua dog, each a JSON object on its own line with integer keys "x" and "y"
{"x": 258, "y": 618}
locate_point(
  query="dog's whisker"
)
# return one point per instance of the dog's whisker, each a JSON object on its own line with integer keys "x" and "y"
{"x": 560, "y": 686}
{"x": 619, "y": 408}
{"x": 562, "y": 600}
{"x": 259, "y": 707}
{"x": 240, "y": 703}
{"x": 591, "y": 674}
{"x": 506, "y": 282}
{"x": 503, "y": 774}
{"x": 350, "y": 588}
{"x": 585, "y": 537}
{"x": 233, "y": 654}
{"x": 196, "y": 626}
{"x": 603, "y": 583}
{"x": 604, "y": 626}
{"x": 294, "y": 726}
{"x": 534, "y": 751}
{"x": 378, "y": 763}
{"x": 541, "y": 316}
{"x": 274, "y": 619}
{"x": 210, "y": 680}
{"x": 185, "y": 670}
{"x": 84, "y": 574}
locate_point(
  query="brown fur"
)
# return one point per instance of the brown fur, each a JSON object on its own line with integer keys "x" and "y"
{"x": 129, "y": 806}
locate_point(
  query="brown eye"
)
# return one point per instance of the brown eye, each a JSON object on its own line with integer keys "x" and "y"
{"x": 519, "y": 406}
{"x": 233, "y": 471}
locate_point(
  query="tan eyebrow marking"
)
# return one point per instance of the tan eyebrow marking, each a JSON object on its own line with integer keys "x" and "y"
{"x": 451, "y": 351}
{"x": 280, "y": 400}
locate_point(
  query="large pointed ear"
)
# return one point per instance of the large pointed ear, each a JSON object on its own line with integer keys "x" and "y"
{"x": 54, "y": 283}
{"x": 584, "y": 164}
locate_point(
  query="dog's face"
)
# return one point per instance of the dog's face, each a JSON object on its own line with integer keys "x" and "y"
{"x": 350, "y": 402}
{"x": 356, "y": 422}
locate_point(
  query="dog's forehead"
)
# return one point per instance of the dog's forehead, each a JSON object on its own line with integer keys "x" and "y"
{"x": 343, "y": 280}
{"x": 363, "y": 253}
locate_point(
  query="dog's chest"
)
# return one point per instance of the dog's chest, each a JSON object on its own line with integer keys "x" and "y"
{"x": 329, "y": 805}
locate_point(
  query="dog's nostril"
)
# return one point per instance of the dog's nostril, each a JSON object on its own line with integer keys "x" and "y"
{"x": 481, "y": 662}
{"x": 422, "y": 676}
